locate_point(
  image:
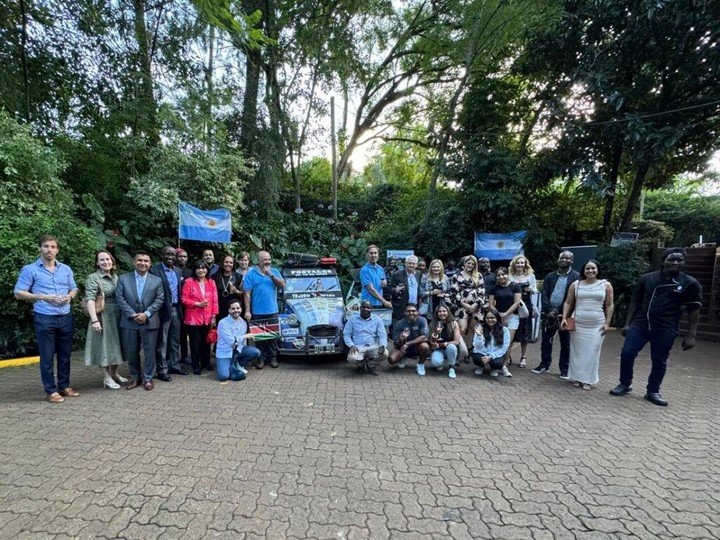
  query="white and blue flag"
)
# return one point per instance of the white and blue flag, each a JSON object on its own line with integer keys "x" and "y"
{"x": 204, "y": 225}
{"x": 499, "y": 247}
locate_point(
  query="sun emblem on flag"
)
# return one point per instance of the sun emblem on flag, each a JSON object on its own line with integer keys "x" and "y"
{"x": 211, "y": 223}
{"x": 501, "y": 244}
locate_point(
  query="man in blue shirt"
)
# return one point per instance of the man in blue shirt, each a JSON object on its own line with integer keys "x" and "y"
{"x": 366, "y": 336}
{"x": 168, "y": 342}
{"x": 261, "y": 284}
{"x": 51, "y": 286}
{"x": 373, "y": 279}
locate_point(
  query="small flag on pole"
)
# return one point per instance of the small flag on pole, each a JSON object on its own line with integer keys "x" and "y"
{"x": 498, "y": 247}
{"x": 204, "y": 225}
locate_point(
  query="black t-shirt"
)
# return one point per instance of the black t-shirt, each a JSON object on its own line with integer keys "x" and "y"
{"x": 659, "y": 299}
{"x": 505, "y": 296}
{"x": 489, "y": 280}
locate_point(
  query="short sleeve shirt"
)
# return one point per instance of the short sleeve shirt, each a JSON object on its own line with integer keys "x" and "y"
{"x": 418, "y": 328}
{"x": 264, "y": 292}
{"x": 371, "y": 275}
{"x": 504, "y": 296}
{"x": 37, "y": 279}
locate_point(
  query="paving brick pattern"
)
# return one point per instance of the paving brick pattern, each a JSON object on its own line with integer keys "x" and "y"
{"x": 316, "y": 451}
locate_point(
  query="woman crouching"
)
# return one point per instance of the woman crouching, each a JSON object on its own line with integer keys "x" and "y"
{"x": 490, "y": 343}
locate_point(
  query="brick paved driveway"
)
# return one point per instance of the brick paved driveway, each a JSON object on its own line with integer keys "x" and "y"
{"x": 314, "y": 451}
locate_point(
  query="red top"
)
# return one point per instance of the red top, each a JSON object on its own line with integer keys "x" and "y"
{"x": 191, "y": 294}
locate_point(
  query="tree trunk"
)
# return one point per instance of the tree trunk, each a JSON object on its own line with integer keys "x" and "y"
{"x": 23, "y": 59}
{"x": 617, "y": 152}
{"x": 637, "y": 185}
{"x": 248, "y": 120}
{"x": 146, "y": 123}
{"x": 210, "y": 89}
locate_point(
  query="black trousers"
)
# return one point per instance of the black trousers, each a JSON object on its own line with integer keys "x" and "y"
{"x": 199, "y": 347}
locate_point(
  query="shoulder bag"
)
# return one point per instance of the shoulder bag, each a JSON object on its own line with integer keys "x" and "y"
{"x": 99, "y": 302}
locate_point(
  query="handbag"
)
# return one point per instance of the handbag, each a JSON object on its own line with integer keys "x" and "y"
{"x": 570, "y": 321}
{"x": 212, "y": 335}
{"x": 99, "y": 302}
{"x": 522, "y": 310}
{"x": 236, "y": 372}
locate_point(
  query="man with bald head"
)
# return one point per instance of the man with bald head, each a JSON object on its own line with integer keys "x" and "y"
{"x": 261, "y": 284}
{"x": 554, "y": 292}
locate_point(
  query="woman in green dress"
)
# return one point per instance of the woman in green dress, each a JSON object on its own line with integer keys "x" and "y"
{"x": 102, "y": 343}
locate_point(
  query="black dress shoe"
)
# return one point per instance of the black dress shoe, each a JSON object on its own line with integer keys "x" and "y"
{"x": 180, "y": 371}
{"x": 657, "y": 399}
{"x": 163, "y": 377}
{"x": 620, "y": 390}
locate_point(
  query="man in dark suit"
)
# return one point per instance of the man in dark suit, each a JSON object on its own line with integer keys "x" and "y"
{"x": 554, "y": 292}
{"x": 139, "y": 296}
{"x": 405, "y": 288}
{"x": 168, "y": 343}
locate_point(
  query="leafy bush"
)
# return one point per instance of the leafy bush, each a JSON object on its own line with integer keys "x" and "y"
{"x": 689, "y": 214}
{"x": 622, "y": 266}
{"x": 33, "y": 202}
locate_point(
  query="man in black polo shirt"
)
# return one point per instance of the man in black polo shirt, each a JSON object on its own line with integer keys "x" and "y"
{"x": 653, "y": 316}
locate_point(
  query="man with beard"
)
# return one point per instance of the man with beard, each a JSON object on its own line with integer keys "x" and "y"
{"x": 410, "y": 337}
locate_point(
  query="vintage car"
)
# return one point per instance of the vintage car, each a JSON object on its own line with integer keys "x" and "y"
{"x": 312, "y": 308}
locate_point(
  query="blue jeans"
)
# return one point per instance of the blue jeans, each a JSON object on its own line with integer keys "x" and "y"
{"x": 222, "y": 365}
{"x": 54, "y": 334}
{"x": 437, "y": 358}
{"x": 661, "y": 341}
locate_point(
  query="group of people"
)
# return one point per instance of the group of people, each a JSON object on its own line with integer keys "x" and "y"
{"x": 471, "y": 314}
{"x": 155, "y": 308}
{"x": 476, "y": 315}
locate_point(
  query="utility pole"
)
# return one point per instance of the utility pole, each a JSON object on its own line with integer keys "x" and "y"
{"x": 334, "y": 158}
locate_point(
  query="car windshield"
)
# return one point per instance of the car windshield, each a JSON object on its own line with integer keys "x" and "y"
{"x": 312, "y": 284}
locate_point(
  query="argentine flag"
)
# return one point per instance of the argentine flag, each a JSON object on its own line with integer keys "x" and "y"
{"x": 499, "y": 247}
{"x": 204, "y": 225}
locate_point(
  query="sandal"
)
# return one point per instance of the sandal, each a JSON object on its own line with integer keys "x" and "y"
{"x": 577, "y": 383}
{"x": 586, "y": 387}
{"x": 523, "y": 362}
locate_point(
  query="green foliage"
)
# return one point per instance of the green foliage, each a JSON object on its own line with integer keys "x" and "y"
{"x": 622, "y": 266}
{"x": 690, "y": 215}
{"x": 652, "y": 233}
{"x": 33, "y": 202}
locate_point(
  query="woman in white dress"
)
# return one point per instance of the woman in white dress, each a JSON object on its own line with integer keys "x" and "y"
{"x": 593, "y": 301}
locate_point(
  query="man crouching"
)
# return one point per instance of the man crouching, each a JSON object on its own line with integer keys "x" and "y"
{"x": 366, "y": 336}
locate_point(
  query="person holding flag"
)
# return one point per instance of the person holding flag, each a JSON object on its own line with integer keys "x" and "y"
{"x": 260, "y": 285}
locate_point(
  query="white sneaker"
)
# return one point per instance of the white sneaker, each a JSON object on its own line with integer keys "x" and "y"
{"x": 402, "y": 364}
{"x": 506, "y": 372}
{"x": 478, "y": 371}
{"x": 421, "y": 369}
{"x": 451, "y": 373}
{"x": 245, "y": 371}
{"x": 494, "y": 373}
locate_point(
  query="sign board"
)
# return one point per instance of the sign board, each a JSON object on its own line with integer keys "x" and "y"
{"x": 400, "y": 254}
{"x": 620, "y": 238}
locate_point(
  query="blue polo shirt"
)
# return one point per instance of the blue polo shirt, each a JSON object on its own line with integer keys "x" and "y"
{"x": 264, "y": 291}
{"x": 36, "y": 279}
{"x": 371, "y": 274}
